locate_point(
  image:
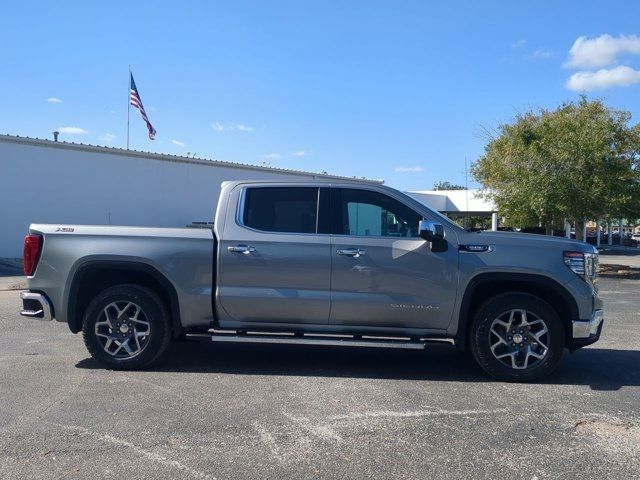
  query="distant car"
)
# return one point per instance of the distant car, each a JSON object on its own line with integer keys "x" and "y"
{"x": 631, "y": 241}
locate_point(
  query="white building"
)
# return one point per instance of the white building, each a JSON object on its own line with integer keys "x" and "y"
{"x": 43, "y": 181}
{"x": 458, "y": 202}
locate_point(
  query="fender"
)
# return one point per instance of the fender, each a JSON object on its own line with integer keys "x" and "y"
{"x": 517, "y": 281}
{"x": 75, "y": 324}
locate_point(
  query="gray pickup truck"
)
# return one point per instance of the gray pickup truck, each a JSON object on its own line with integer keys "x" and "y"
{"x": 318, "y": 264}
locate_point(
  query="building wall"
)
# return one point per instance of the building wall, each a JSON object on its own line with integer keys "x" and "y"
{"x": 47, "y": 182}
{"x": 455, "y": 200}
{"x": 435, "y": 201}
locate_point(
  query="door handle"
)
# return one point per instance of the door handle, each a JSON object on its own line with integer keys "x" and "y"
{"x": 246, "y": 249}
{"x": 351, "y": 252}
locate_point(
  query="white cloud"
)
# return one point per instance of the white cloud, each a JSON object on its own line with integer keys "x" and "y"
{"x": 112, "y": 112}
{"x": 518, "y": 44}
{"x": 620, "y": 76}
{"x": 108, "y": 137}
{"x": 178, "y": 143}
{"x": 72, "y": 130}
{"x": 299, "y": 153}
{"x": 221, "y": 127}
{"x": 272, "y": 156}
{"x": 542, "y": 54}
{"x": 601, "y": 51}
{"x": 409, "y": 169}
{"x": 54, "y": 100}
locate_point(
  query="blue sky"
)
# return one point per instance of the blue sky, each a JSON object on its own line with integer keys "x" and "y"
{"x": 394, "y": 90}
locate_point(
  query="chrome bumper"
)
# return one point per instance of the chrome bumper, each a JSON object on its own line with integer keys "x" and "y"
{"x": 588, "y": 328}
{"x": 36, "y": 305}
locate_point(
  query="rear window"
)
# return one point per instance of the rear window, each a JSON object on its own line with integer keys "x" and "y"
{"x": 281, "y": 209}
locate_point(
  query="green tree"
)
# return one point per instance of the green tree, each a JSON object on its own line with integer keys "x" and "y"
{"x": 579, "y": 161}
{"x": 445, "y": 185}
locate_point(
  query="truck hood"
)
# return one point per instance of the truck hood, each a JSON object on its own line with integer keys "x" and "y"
{"x": 525, "y": 240}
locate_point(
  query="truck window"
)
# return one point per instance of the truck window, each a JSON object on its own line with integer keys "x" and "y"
{"x": 281, "y": 209}
{"x": 371, "y": 214}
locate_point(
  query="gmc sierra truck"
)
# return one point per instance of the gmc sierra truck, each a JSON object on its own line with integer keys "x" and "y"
{"x": 318, "y": 264}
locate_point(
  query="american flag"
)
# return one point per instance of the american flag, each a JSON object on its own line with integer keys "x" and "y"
{"x": 136, "y": 101}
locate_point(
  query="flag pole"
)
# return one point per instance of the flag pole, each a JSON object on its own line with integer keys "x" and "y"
{"x": 128, "y": 104}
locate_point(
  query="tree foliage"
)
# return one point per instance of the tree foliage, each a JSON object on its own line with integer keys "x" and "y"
{"x": 577, "y": 161}
{"x": 446, "y": 185}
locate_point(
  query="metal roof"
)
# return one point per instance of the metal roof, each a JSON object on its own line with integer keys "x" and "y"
{"x": 39, "y": 142}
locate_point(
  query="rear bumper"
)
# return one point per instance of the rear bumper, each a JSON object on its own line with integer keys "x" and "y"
{"x": 36, "y": 305}
{"x": 586, "y": 332}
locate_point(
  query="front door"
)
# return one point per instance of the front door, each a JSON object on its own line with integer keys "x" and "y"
{"x": 274, "y": 265}
{"x": 383, "y": 273}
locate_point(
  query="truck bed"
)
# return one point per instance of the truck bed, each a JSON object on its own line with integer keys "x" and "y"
{"x": 184, "y": 256}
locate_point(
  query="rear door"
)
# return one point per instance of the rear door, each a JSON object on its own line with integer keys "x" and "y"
{"x": 274, "y": 265}
{"x": 384, "y": 274}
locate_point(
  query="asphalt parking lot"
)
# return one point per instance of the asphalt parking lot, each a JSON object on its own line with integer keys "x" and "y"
{"x": 246, "y": 411}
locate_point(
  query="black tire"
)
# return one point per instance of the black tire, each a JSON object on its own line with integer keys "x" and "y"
{"x": 481, "y": 338}
{"x": 154, "y": 312}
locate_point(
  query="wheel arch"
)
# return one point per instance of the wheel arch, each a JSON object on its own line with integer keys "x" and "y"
{"x": 94, "y": 276}
{"x": 487, "y": 285}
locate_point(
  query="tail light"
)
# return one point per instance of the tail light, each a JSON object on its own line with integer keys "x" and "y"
{"x": 31, "y": 253}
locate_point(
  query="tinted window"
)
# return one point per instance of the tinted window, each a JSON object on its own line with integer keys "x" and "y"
{"x": 324, "y": 211}
{"x": 366, "y": 213}
{"x": 281, "y": 209}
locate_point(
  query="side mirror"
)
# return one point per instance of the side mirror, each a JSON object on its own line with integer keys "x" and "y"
{"x": 431, "y": 231}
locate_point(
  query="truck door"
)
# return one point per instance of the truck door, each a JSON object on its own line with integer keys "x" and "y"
{"x": 383, "y": 273}
{"x": 274, "y": 265}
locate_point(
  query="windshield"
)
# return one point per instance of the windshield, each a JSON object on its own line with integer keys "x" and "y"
{"x": 446, "y": 220}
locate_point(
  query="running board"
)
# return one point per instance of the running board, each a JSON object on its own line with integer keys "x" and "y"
{"x": 231, "y": 336}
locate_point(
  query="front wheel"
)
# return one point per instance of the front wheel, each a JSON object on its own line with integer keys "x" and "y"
{"x": 126, "y": 327}
{"x": 517, "y": 337}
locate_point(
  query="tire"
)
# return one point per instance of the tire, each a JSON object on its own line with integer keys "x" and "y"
{"x": 126, "y": 327}
{"x": 513, "y": 347}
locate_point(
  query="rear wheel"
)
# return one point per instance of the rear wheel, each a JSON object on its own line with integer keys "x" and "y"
{"x": 126, "y": 327}
{"x": 517, "y": 337}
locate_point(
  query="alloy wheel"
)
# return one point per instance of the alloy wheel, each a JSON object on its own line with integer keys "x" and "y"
{"x": 519, "y": 339}
{"x": 123, "y": 329}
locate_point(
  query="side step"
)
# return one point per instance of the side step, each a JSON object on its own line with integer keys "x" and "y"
{"x": 232, "y": 336}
